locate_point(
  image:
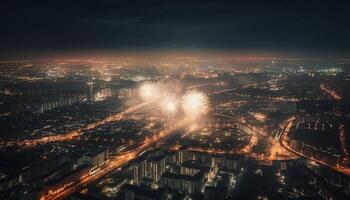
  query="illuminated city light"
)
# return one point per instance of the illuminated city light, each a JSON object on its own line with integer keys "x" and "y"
{"x": 195, "y": 104}
{"x": 330, "y": 92}
{"x": 160, "y": 101}
{"x": 259, "y": 117}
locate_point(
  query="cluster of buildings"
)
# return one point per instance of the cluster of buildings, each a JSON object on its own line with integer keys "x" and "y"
{"x": 317, "y": 132}
{"x": 179, "y": 173}
{"x": 52, "y": 174}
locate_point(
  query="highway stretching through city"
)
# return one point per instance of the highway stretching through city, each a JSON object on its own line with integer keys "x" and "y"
{"x": 330, "y": 92}
{"x": 113, "y": 164}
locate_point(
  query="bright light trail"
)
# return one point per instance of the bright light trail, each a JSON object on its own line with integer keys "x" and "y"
{"x": 330, "y": 92}
{"x": 192, "y": 128}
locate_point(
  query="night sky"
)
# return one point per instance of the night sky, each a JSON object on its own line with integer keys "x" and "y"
{"x": 34, "y": 27}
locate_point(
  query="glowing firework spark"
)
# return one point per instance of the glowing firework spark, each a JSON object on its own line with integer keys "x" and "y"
{"x": 169, "y": 106}
{"x": 195, "y": 104}
{"x": 148, "y": 92}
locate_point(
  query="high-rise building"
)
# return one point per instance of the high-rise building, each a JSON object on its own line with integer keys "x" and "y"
{"x": 219, "y": 190}
{"x": 157, "y": 167}
{"x": 233, "y": 162}
{"x": 184, "y": 183}
{"x": 97, "y": 157}
{"x": 218, "y": 161}
{"x": 182, "y": 155}
{"x": 140, "y": 170}
{"x": 191, "y": 168}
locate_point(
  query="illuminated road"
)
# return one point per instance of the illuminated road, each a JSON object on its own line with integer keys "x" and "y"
{"x": 87, "y": 178}
{"x": 204, "y": 84}
{"x": 274, "y": 153}
{"x": 252, "y": 142}
{"x": 113, "y": 164}
{"x": 210, "y": 151}
{"x": 283, "y": 141}
{"x": 244, "y": 86}
{"x": 330, "y": 92}
{"x": 73, "y": 134}
{"x": 342, "y": 137}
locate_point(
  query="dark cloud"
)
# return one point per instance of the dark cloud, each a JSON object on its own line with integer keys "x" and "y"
{"x": 82, "y": 25}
